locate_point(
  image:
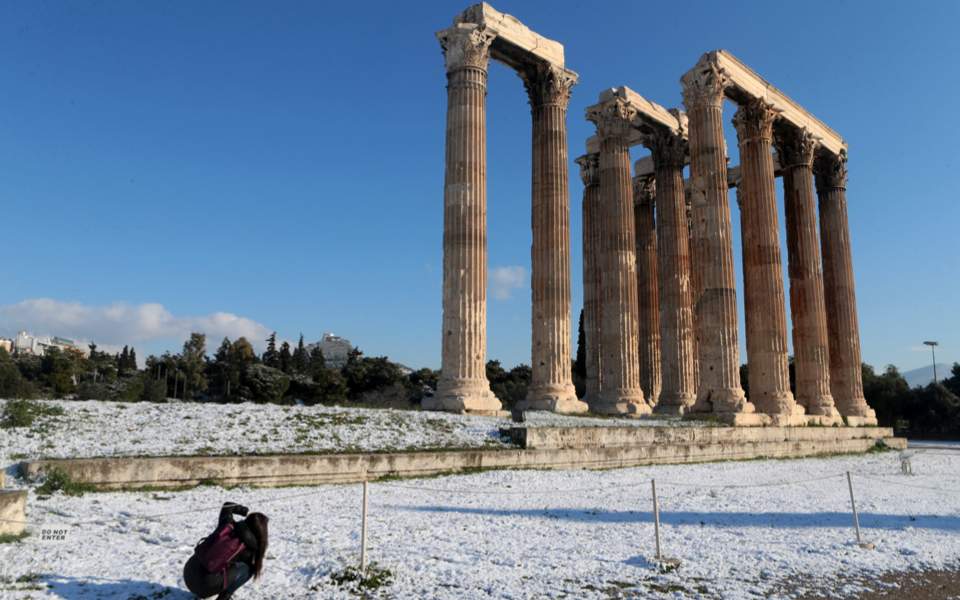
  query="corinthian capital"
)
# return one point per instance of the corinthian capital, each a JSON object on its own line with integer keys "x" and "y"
{"x": 613, "y": 118}
{"x": 795, "y": 146}
{"x": 644, "y": 189}
{"x": 754, "y": 120}
{"x": 589, "y": 169}
{"x": 669, "y": 149}
{"x": 466, "y": 45}
{"x": 703, "y": 85}
{"x": 548, "y": 84}
{"x": 830, "y": 171}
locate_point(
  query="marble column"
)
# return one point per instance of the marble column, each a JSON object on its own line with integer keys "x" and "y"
{"x": 551, "y": 385}
{"x": 621, "y": 392}
{"x": 796, "y": 148}
{"x": 716, "y": 308}
{"x": 764, "y": 298}
{"x": 846, "y": 377}
{"x": 463, "y": 384}
{"x": 673, "y": 268}
{"x": 648, "y": 306}
{"x": 590, "y": 174}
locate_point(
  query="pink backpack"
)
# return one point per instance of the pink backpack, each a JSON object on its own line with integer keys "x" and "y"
{"x": 217, "y": 550}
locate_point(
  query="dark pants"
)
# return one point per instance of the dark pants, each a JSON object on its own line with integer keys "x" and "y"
{"x": 205, "y": 584}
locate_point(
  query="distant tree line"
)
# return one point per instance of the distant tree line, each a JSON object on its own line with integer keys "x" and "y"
{"x": 235, "y": 373}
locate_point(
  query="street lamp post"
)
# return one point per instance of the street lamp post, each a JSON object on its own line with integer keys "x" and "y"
{"x": 933, "y": 351}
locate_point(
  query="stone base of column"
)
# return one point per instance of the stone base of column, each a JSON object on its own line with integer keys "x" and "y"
{"x": 469, "y": 396}
{"x": 559, "y": 399}
{"x": 869, "y": 420}
{"x": 797, "y": 417}
{"x": 727, "y": 400}
{"x": 824, "y": 420}
{"x": 820, "y": 407}
{"x": 674, "y": 404}
{"x": 624, "y": 405}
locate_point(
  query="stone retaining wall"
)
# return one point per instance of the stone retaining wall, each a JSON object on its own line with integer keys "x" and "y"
{"x": 13, "y": 511}
{"x": 703, "y": 445}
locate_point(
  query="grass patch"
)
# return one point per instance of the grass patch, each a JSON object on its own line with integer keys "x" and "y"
{"x": 9, "y": 538}
{"x": 23, "y": 413}
{"x": 357, "y": 581}
{"x": 57, "y": 480}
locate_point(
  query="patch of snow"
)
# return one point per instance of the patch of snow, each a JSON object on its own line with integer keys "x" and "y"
{"x": 524, "y": 534}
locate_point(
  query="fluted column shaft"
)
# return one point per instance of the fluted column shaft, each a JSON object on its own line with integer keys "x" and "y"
{"x": 716, "y": 308}
{"x": 463, "y": 384}
{"x": 846, "y": 378}
{"x": 673, "y": 268}
{"x": 621, "y": 392}
{"x": 592, "y": 272}
{"x": 551, "y": 385}
{"x": 648, "y": 307}
{"x": 807, "y": 309}
{"x": 764, "y": 298}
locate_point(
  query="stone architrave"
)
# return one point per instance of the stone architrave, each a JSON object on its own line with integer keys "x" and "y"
{"x": 648, "y": 307}
{"x": 796, "y": 148}
{"x": 621, "y": 392}
{"x": 463, "y": 384}
{"x": 551, "y": 386}
{"x": 678, "y": 391}
{"x": 719, "y": 390}
{"x": 590, "y": 174}
{"x": 764, "y": 298}
{"x": 846, "y": 379}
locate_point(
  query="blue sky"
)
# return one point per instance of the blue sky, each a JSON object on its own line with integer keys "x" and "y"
{"x": 245, "y": 167}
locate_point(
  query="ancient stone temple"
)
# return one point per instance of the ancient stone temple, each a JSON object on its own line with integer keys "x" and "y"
{"x": 477, "y": 35}
{"x": 683, "y": 262}
{"x": 660, "y": 293}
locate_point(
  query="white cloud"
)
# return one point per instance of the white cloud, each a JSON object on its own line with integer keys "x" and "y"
{"x": 120, "y": 323}
{"x": 503, "y": 280}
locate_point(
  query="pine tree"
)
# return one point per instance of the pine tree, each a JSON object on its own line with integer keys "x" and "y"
{"x": 270, "y": 356}
{"x": 318, "y": 363}
{"x": 285, "y": 358}
{"x": 300, "y": 357}
{"x": 580, "y": 365}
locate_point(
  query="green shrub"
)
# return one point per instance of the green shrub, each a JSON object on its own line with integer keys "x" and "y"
{"x": 375, "y": 577}
{"x": 23, "y": 413}
{"x": 57, "y": 480}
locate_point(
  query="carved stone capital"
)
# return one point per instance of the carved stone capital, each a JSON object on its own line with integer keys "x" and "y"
{"x": 830, "y": 171}
{"x": 644, "y": 189}
{"x": 589, "y": 169}
{"x": 466, "y": 45}
{"x": 754, "y": 120}
{"x": 612, "y": 118}
{"x": 669, "y": 149}
{"x": 548, "y": 84}
{"x": 795, "y": 147}
{"x": 704, "y": 84}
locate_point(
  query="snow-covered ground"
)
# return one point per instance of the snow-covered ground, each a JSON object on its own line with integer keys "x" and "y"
{"x": 523, "y": 534}
{"x": 95, "y": 428}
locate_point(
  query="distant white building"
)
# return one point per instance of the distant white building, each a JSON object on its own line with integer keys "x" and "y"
{"x": 7, "y": 345}
{"x": 26, "y": 343}
{"x": 335, "y": 349}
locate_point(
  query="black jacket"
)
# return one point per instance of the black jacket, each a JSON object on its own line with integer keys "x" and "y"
{"x": 205, "y": 584}
{"x": 241, "y": 530}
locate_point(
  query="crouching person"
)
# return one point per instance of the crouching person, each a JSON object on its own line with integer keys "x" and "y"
{"x": 227, "y": 558}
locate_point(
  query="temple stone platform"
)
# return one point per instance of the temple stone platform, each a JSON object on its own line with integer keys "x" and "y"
{"x": 534, "y": 448}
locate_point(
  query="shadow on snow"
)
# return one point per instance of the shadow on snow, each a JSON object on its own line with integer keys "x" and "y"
{"x": 788, "y": 520}
{"x": 99, "y": 587}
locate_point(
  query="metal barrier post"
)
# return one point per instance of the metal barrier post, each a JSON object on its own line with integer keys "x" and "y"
{"x": 856, "y": 517}
{"x": 363, "y": 531}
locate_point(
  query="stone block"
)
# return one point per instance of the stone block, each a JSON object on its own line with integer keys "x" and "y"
{"x": 515, "y": 42}
{"x": 13, "y": 512}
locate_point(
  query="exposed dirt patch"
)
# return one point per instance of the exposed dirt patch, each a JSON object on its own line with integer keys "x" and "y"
{"x": 915, "y": 585}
